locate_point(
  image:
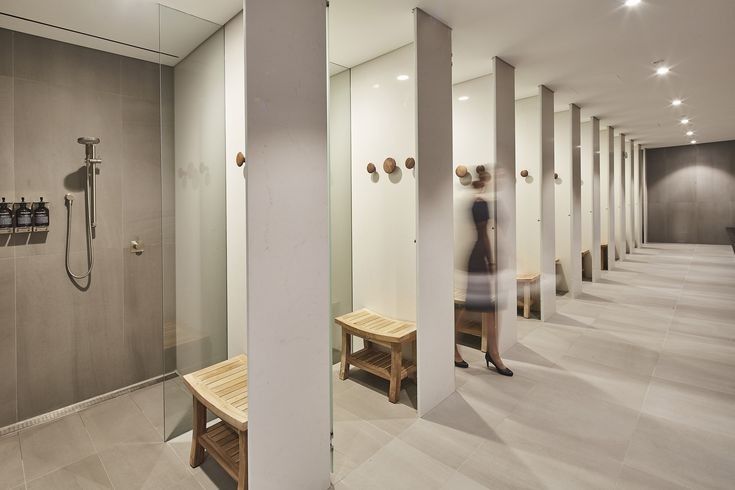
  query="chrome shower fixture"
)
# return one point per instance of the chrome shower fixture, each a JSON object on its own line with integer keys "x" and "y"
{"x": 90, "y": 194}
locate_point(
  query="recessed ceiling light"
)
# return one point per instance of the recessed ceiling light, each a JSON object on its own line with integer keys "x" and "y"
{"x": 376, "y": 85}
{"x": 402, "y": 78}
{"x": 662, "y": 70}
{"x": 463, "y": 98}
{"x": 690, "y": 133}
{"x": 676, "y": 102}
{"x": 694, "y": 142}
{"x": 685, "y": 121}
{"x": 632, "y": 3}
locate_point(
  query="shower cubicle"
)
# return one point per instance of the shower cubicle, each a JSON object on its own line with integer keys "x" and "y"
{"x": 123, "y": 290}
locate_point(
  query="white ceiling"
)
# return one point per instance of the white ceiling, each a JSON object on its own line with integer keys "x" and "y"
{"x": 596, "y": 53}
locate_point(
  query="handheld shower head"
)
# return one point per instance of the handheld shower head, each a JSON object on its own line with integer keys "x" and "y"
{"x": 88, "y": 140}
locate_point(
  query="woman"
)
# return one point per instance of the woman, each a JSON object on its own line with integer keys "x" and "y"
{"x": 479, "y": 292}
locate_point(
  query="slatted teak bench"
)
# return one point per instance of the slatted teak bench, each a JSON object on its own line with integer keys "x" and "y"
{"x": 222, "y": 389}
{"x": 381, "y": 330}
{"x": 526, "y": 281}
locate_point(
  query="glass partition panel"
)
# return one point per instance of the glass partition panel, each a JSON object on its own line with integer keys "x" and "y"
{"x": 193, "y": 205}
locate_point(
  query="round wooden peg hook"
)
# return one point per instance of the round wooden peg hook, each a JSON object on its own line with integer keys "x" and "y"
{"x": 410, "y": 163}
{"x": 460, "y": 171}
{"x": 371, "y": 168}
{"x": 240, "y": 159}
{"x": 524, "y": 173}
{"x": 556, "y": 176}
{"x": 389, "y": 165}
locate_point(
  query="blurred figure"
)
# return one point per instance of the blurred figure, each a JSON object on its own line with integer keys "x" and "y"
{"x": 479, "y": 280}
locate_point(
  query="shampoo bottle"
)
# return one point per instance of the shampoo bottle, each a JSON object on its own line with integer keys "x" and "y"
{"x": 41, "y": 215}
{"x": 23, "y": 215}
{"x": 6, "y": 215}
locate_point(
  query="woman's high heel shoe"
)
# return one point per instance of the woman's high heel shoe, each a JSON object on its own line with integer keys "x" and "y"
{"x": 461, "y": 364}
{"x": 503, "y": 371}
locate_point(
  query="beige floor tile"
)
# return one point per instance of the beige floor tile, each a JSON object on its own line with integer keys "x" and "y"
{"x": 146, "y": 466}
{"x": 374, "y": 407}
{"x": 11, "y": 466}
{"x": 688, "y": 457}
{"x": 633, "y": 479}
{"x": 150, "y": 401}
{"x": 690, "y": 405}
{"x": 118, "y": 421}
{"x": 399, "y": 465}
{"x": 696, "y": 371}
{"x": 87, "y": 474}
{"x": 704, "y": 328}
{"x": 55, "y": 445}
{"x": 716, "y": 350}
{"x": 513, "y": 462}
{"x": 580, "y": 422}
{"x": 460, "y": 482}
{"x": 445, "y": 443}
{"x": 485, "y": 400}
{"x": 605, "y": 349}
{"x": 358, "y": 440}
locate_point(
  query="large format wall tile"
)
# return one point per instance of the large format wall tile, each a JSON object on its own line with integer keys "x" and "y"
{"x": 6, "y": 52}
{"x": 70, "y": 342}
{"x": 693, "y": 188}
{"x": 8, "y": 377}
{"x": 49, "y": 162}
{"x": 83, "y": 69}
{"x": 7, "y": 180}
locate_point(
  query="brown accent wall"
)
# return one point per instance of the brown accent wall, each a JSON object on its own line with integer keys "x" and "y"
{"x": 691, "y": 193}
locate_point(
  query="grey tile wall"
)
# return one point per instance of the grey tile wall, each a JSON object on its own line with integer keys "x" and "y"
{"x": 691, "y": 193}
{"x": 60, "y": 344}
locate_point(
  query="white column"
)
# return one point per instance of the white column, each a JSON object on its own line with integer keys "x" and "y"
{"x": 644, "y": 192}
{"x": 548, "y": 245}
{"x": 575, "y": 286}
{"x": 611, "y": 198}
{"x": 620, "y": 233}
{"x": 434, "y": 227}
{"x": 596, "y": 251}
{"x": 630, "y": 163}
{"x": 287, "y": 244}
{"x": 503, "y": 145}
{"x": 637, "y": 198}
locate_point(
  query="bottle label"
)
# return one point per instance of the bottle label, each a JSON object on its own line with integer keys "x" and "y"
{"x": 6, "y": 221}
{"x": 24, "y": 220}
{"x": 41, "y": 220}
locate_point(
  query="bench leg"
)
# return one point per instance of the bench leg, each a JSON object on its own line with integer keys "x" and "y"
{"x": 527, "y": 300}
{"x": 242, "y": 471}
{"x": 415, "y": 359}
{"x": 200, "y": 426}
{"x": 344, "y": 365}
{"x": 396, "y": 366}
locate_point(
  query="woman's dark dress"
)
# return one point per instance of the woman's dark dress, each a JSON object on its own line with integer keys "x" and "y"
{"x": 479, "y": 294}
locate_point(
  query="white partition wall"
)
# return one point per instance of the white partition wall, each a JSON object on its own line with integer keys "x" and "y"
{"x": 637, "y": 197}
{"x": 528, "y": 189}
{"x": 434, "y": 234}
{"x": 608, "y": 153}
{"x": 644, "y": 199}
{"x": 630, "y": 163}
{"x": 384, "y": 205}
{"x": 504, "y": 158}
{"x": 548, "y": 243}
{"x": 620, "y": 227}
{"x": 287, "y": 244}
{"x": 596, "y": 241}
{"x": 568, "y": 197}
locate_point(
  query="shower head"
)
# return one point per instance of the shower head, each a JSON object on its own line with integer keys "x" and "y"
{"x": 88, "y": 140}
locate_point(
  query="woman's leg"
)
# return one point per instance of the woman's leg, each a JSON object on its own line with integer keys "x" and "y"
{"x": 457, "y": 355}
{"x": 492, "y": 340}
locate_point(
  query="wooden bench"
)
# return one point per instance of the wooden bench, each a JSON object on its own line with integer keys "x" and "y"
{"x": 222, "y": 389}
{"x": 470, "y": 327}
{"x": 526, "y": 281}
{"x": 378, "y": 329}
{"x": 586, "y": 264}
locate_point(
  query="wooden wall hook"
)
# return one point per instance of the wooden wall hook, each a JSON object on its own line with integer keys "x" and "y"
{"x": 556, "y": 176}
{"x": 410, "y": 163}
{"x": 389, "y": 165}
{"x": 524, "y": 173}
{"x": 240, "y": 159}
{"x": 480, "y": 169}
{"x": 371, "y": 168}
{"x": 460, "y": 171}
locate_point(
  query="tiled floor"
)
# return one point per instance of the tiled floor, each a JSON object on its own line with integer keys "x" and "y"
{"x": 632, "y": 385}
{"x": 116, "y": 444}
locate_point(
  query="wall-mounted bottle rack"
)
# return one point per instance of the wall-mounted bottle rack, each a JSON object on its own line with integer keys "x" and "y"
{"x": 33, "y": 227}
